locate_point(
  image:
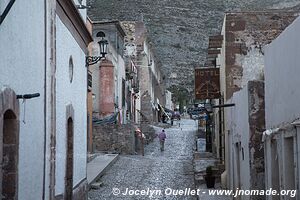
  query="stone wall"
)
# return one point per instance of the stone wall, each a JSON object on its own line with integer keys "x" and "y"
{"x": 147, "y": 117}
{"x": 114, "y": 138}
{"x": 256, "y": 126}
{"x": 246, "y": 34}
{"x": 246, "y": 122}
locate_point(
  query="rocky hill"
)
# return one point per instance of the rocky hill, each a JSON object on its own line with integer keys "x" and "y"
{"x": 179, "y": 29}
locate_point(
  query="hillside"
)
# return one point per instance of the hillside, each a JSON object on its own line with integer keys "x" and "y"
{"x": 179, "y": 29}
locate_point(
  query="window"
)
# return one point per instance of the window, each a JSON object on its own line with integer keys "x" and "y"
{"x": 71, "y": 69}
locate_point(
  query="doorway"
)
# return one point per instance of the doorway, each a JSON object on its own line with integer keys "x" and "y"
{"x": 237, "y": 172}
{"x": 9, "y": 156}
{"x": 69, "y": 160}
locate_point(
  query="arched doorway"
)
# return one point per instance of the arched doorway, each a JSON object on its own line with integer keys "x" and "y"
{"x": 69, "y": 160}
{"x": 9, "y": 144}
{"x": 9, "y": 156}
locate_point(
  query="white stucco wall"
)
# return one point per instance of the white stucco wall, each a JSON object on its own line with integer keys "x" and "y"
{"x": 252, "y": 64}
{"x": 121, "y": 76}
{"x": 221, "y": 61}
{"x": 169, "y": 103}
{"x": 282, "y": 77}
{"x": 95, "y": 69}
{"x": 74, "y": 93}
{"x": 239, "y": 126}
{"x": 22, "y": 64}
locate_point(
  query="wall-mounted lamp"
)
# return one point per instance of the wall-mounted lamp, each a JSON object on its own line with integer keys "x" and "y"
{"x": 90, "y": 60}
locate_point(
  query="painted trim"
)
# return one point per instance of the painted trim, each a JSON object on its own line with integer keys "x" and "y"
{"x": 69, "y": 15}
{"x": 9, "y": 101}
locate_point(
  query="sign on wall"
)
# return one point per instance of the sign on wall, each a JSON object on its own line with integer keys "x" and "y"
{"x": 207, "y": 83}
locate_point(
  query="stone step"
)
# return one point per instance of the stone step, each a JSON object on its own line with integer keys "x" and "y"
{"x": 202, "y": 155}
{"x": 96, "y": 185}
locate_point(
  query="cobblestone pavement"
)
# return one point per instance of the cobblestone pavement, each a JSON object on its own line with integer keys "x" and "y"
{"x": 157, "y": 170}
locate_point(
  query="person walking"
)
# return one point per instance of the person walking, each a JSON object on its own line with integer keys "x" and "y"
{"x": 162, "y": 136}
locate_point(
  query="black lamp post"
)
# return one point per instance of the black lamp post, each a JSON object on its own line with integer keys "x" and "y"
{"x": 90, "y": 60}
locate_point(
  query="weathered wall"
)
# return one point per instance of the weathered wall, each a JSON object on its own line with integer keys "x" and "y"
{"x": 22, "y": 66}
{"x": 246, "y": 34}
{"x": 241, "y": 59}
{"x": 74, "y": 93}
{"x": 257, "y": 126}
{"x": 281, "y": 77}
{"x": 114, "y": 138}
{"x": 238, "y": 124}
{"x": 246, "y": 123}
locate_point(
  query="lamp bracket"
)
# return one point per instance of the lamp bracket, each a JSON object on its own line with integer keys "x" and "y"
{"x": 90, "y": 60}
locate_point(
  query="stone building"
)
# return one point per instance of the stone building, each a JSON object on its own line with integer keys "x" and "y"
{"x": 241, "y": 59}
{"x": 151, "y": 80}
{"x": 282, "y": 139}
{"x": 109, "y": 74}
{"x": 114, "y": 91}
{"x": 43, "y": 49}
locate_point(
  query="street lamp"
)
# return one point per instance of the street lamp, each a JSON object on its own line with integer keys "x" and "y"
{"x": 90, "y": 60}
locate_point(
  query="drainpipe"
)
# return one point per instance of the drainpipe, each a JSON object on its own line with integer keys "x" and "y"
{"x": 52, "y": 96}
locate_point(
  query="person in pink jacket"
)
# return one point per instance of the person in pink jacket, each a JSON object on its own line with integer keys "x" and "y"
{"x": 162, "y": 136}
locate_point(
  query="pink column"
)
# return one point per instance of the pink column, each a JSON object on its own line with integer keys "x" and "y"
{"x": 107, "y": 88}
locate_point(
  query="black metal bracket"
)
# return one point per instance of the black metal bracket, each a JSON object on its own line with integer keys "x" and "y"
{"x": 223, "y": 105}
{"x": 5, "y": 12}
{"x": 90, "y": 60}
{"x": 28, "y": 96}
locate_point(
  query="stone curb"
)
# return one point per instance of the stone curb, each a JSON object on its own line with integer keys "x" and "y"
{"x": 102, "y": 172}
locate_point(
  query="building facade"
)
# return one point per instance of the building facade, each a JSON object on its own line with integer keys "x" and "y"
{"x": 115, "y": 89}
{"x": 241, "y": 59}
{"x": 47, "y": 131}
{"x": 246, "y": 123}
{"x": 281, "y": 139}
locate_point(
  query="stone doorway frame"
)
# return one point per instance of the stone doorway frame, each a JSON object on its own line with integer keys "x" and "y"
{"x": 9, "y": 143}
{"x": 69, "y": 152}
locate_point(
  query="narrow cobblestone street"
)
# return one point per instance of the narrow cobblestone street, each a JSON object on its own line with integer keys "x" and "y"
{"x": 157, "y": 170}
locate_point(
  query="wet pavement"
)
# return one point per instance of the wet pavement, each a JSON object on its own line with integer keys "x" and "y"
{"x": 157, "y": 174}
